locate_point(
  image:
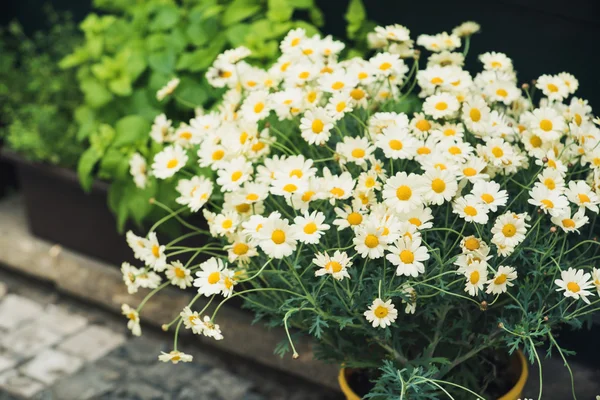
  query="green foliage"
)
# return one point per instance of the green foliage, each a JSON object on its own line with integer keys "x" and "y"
{"x": 132, "y": 49}
{"x": 37, "y": 98}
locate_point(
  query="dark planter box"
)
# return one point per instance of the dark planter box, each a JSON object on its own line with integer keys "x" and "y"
{"x": 59, "y": 211}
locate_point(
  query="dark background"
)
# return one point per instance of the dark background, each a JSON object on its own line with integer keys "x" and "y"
{"x": 541, "y": 36}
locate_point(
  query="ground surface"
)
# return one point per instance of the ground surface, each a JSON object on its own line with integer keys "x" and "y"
{"x": 53, "y": 347}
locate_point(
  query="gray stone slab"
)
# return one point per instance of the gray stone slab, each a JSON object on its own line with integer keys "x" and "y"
{"x": 90, "y": 382}
{"x": 61, "y": 321}
{"x": 226, "y": 385}
{"x": 51, "y": 365}
{"x": 3, "y": 290}
{"x": 7, "y": 361}
{"x": 92, "y": 343}
{"x": 29, "y": 339}
{"x": 16, "y": 383}
{"x": 15, "y": 310}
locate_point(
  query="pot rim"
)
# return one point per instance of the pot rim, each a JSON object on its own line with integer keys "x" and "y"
{"x": 513, "y": 394}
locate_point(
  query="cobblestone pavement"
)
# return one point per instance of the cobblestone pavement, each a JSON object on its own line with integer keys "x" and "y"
{"x": 55, "y": 348}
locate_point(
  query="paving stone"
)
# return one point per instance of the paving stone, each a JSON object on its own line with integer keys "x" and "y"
{"x": 3, "y": 290}
{"x": 50, "y": 365}
{"x": 138, "y": 391}
{"x": 223, "y": 383}
{"x": 179, "y": 375}
{"x": 16, "y": 383}
{"x": 29, "y": 339}
{"x": 60, "y": 320}
{"x": 7, "y": 361}
{"x": 15, "y": 309}
{"x": 92, "y": 343}
{"x": 91, "y": 382}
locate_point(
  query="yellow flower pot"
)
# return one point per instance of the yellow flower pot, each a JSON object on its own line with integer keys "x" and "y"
{"x": 513, "y": 394}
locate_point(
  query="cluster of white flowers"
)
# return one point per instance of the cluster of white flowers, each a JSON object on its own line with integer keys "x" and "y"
{"x": 474, "y": 134}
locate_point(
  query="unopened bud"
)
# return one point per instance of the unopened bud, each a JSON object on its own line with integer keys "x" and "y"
{"x": 483, "y": 305}
{"x": 151, "y": 200}
{"x": 295, "y": 355}
{"x": 553, "y": 229}
{"x": 267, "y": 124}
{"x": 500, "y": 325}
{"x": 164, "y": 327}
{"x": 525, "y": 86}
{"x": 545, "y": 160}
{"x": 546, "y": 318}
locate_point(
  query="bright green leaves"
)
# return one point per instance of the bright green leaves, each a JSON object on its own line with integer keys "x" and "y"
{"x": 163, "y": 61}
{"x": 96, "y": 95}
{"x": 280, "y": 10}
{"x": 239, "y": 10}
{"x": 166, "y": 17}
{"x": 131, "y": 129}
{"x": 355, "y": 16}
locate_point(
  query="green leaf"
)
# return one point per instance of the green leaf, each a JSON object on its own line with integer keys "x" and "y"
{"x": 131, "y": 129}
{"x": 239, "y": 10}
{"x": 96, "y": 95}
{"x": 121, "y": 86}
{"x": 202, "y": 32}
{"x": 166, "y": 17}
{"x": 163, "y": 61}
{"x": 136, "y": 64}
{"x": 236, "y": 34}
{"x": 110, "y": 162}
{"x": 317, "y": 326}
{"x": 355, "y": 16}
{"x": 86, "y": 166}
{"x": 192, "y": 93}
{"x": 201, "y": 59}
{"x": 279, "y": 10}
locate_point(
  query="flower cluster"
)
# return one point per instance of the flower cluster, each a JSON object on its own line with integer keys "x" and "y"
{"x": 318, "y": 160}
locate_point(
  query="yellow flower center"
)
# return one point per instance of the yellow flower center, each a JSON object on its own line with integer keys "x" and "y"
{"x": 156, "y": 251}
{"x": 535, "y": 141}
{"x": 496, "y": 64}
{"x": 258, "y": 107}
{"x": 578, "y": 119}
{"x": 407, "y": 256}
{"x": 403, "y": 193}
{"x": 357, "y": 94}
{"x": 358, "y": 153}
{"x": 278, "y": 236}
{"x": 354, "y": 218}
{"x": 172, "y": 163}
{"x": 395, "y": 144}
{"x": 341, "y": 106}
{"x": 437, "y": 81}
{"x": 317, "y": 126}
{"x": 438, "y": 185}
{"x": 242, "y": 208}
{"x": 470, "y": 171}
{"x": 441, "y": 106}
{"x": 423, "y": 150}
{"x": 333, "y": 266}
{"x": 573, "y": 287}
{"x": 568, "y": 223}
{"x": 454, "y": 150}
{"x": 381, "y": 312}
{"x": 500, "y": 279}
{"x": 362, "y": 75}
{"x": 227, "y": 224}
{"x": 307, "y": 196}
{"x": 303, "y": 75}
{"x": 295, "y": 42}
{"x": 474, "y": 277}
{"x": 470, "y": 211}
{"x": 423, "y": 125}
{"x": 385, "y": 66}
{"x": 509, "y": 230}
{"x": 337, "y": 192}
{"x": 179, "y": 272}
{"x": 472, "y": 244}
{"x": 547, "y": 203}
{"x": 214, "y": 277}
{"x": 252, "y": 197}
{"x": 185, "y": 135}
{"x": 552, "y": 88}
{"x": 217, "y": 155}
{"x": 415, "y": 221}
{"x": 371, "y": 241}
{"x": 583, "y": 198}
{"x": 236, "y": 176}
{"x": 337, "y": 85}
{"x": 546, "y": 125}
{"x": 501, "y": 92}
{"x": 497, "y": 152}
{"x": 475, "y": 115}
{"x": 290, "y": 188}
{"x": 488, "y": 198}
{"x": 549, "y": 183}
{"x": 240, "y": 249}
{"x": 310, "y": 228}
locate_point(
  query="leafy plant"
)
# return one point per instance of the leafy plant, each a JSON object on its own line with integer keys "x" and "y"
{"x": 37, "y": 98}
{"x": 133, "y": 49}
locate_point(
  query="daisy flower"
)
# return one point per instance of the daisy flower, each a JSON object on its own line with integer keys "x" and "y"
{"x": 335, "y": 265}
{"x": 509, "y": 229}
{"x": 503, "y": 278}
{"x": 310, "y": 227}
{"x": 575, "y": 283}
{"x": 209, "y": 280}
{"x": 547, "y": 123}
{"x": 210, "y": 329}
{"x": 580, "y": 194}
{"x": 356, "y": 150}
{"x": 490, "y": 194}
{"x": 169, "y": 161}
{"x": 369, "y": 241}
{"x": 337, "y": 82}
{"x": 347, "y": 217}
{"x": 472, "y": 244}
{"x": 386, "y": 64}
{"x": 256, "y": 106}
{"x": 466, "y": 29}
{"x": 381, "y": 314}
{"x": 179, "y": 275}
{"x": 191, "y": 320}
{"x": 570, "y": 223}
{"x": 339, "y": 104}
{"x": 411, "y": 302}
{"x": 225, "y": 223}
{"x": 408, "y": 256}
{"x": 315, "y": 126}
{"x": 476, "y": 274}
{"x": 403, "y": 192}
{"x": 441, "y": 185}
{"x": 138, "y": 168}
{"x": 154, "y": 255}
{"x": 134, "y": 319}
{"x": 421, "y": 217}
{"x": 552, "y": 179}
{"x": 397, "y": 143}
{"x": 339, "y": 187}
{"x": 161, "y": 129}
{"x": 475, "y": 114}
{"x": 138, "y": 244}
{"x": 551, "y": 202}
{"x": 471, "y": 209}
{"x": 393, "y": 33}
{"x": 494, "y": 61}
{"x": 553, "y": 87}
{"x": 129, "y": 273}
{"x": 442, "y": 105}
{"x": 241, "y": 249}
{"x": 194, "y": 192}
{"x": 175, "y": 357}
{"x": 234, "y": 173}
{"x": 168, "y": 89}
{"x": 277, "y": 238}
